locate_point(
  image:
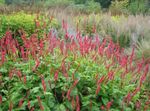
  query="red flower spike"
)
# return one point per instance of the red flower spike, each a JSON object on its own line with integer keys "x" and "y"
{"x": 28, "y": 104}
{"x": 75, "y": 82}
{"x": 109, "y": 104}
{"x": 19, "y": 74}
{"x": 20, "y": 103}
{"x": 73, "y": 102}
{"x": 62, "y": 47}
{"x": 24, "y": 79}
{"x": 22, "y": 53}
{"x": 37, "y": 64}
{"x": 41, "y": 107}
{"x": 147, "y": 102}
{"x": 10, "y": 106}
{"x": 56, "y": 76}
{"x": 37, "y": 23}
{"x": 138, "y": 105}
{"x": 43, "y": 84}
{"x": 128, "y": 98}
{"x": 3, "y": 54}
{"x": 68, "y": 94}
{"x": 124, "y": 61}
{"x": 143, "y": 77}
{"x": 136, "y": 91}
{"x": 32, "y": 109}
{"x": 111, "y": 75}
{"x": 10, "y": 75}
{"x": 98, "y": 89}
{"x": 77, "y": 103}
{"x": 102, "y": 107}
{"x": 101, "y": 80}
{"x": 40, "y": 103}
{"x": 0, "y": 99}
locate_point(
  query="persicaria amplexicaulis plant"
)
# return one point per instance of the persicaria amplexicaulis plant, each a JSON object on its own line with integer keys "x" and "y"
{"x": 72, "y": 73}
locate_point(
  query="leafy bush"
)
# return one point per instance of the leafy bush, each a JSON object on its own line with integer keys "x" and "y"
{"x": 104, "y": 3}
{"x": 119, "y": 7}
{"x": 58, "y": 3}
{"x": 87, "y": 8}
{"x": 136, "y": 7}
{"x": 2, "y": 2}
{"x": 92, "y": 7}
{"x": 73, "y": 73}
{"x": 17, "y": 21}
{"x": 8, "y": 2}
{"x": 27, "y": 22}
{"x": 81, "y": 1}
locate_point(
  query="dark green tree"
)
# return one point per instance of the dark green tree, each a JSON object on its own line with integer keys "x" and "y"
{"x": 104, "y": 3}
{"x": 8, "y": 2}
{"x": 81, "y": 1}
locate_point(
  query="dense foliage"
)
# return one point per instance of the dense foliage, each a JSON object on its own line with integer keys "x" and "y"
{"x": 28, "y": 23}
{"x": 117, "y": 6}
{"x": 95, "y": 62}
{"x": 72, "y": 73}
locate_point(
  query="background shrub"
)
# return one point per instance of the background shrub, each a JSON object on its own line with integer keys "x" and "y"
{"x": 17, "y": 21}
{"x": 138, "y": 6}
{"x": 104, "y": 3}
{"x": 119, "y": 7}
{"x": 2, "y": 2}
{"x": 28, "y": 23}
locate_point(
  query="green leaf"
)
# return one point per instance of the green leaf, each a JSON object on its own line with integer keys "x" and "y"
{"x": 46, "y": 108}
{"x": 62, "y": 107}
{"x": 105, "y": 100}
{"x": 74, "y": 92}
{"x": 35, "y": 90}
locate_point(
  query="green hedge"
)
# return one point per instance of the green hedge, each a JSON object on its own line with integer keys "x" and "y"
{"x": 14, "y": 22}
{"x": 27, "y": 22}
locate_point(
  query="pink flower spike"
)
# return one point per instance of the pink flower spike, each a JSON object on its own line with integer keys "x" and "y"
{"x": 109, "y": 104}
{"x": 43, "y": 84}
{"x": 68, "y": 94}
{"x": 20, "y": 103}
{"x": 56, "y": 76}
{"x": 0, "y": 99}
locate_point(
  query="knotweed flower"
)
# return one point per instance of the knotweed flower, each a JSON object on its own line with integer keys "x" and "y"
{"x": 20, "y": 103}
{"x": 43, "y": 84}
{"x": 0, "y": 99}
